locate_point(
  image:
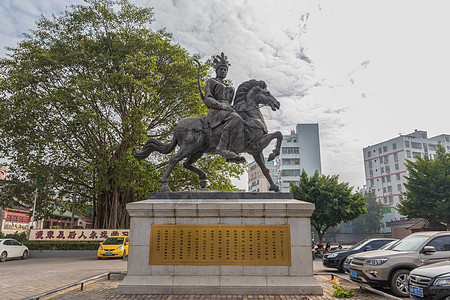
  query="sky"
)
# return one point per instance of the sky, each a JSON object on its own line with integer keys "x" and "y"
{"x": 364, "y": 70}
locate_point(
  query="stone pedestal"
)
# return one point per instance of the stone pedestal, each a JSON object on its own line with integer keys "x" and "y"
{"x": 220, "y": 208}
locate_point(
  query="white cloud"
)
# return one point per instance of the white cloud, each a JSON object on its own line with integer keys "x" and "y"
{"x": 314, "y": 56}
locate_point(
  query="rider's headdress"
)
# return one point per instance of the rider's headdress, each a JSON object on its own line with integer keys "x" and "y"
{"x": 221, "y": 60}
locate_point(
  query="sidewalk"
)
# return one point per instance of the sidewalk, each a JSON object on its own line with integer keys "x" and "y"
{"x": 107, "y": 289}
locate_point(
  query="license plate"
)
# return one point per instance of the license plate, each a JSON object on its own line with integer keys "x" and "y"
{"x": 353, "y": 274}
{"x": 416, "y": 291}
{"x": 108, "y": 253}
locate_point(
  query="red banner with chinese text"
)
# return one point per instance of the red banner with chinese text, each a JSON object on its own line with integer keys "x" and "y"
{"x": 75, "y": 234}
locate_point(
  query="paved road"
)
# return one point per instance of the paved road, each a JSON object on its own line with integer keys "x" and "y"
{"x": 25, "y": 278}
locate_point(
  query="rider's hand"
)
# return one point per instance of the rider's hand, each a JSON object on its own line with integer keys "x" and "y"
{"x": 226, "y": 107}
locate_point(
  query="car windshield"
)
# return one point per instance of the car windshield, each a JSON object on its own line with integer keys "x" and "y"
{"x": 409, "y": 243}
{"x": 113, "y": 241}
{"x": 388, "y": 245}
{"x": 358, "y": 245}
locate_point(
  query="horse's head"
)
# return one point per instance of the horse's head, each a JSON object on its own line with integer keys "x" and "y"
{"x": 265, "y": 98}
{"x": 255, "y": 92}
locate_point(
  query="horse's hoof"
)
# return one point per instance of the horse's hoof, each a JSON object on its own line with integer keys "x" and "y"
{"x": 274, "y": 188}
{"x": 203, "y": 183}
{"x": 165, "y": 187}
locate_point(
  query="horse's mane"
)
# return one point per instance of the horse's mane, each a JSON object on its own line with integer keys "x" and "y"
{"x": 245, "y": 87}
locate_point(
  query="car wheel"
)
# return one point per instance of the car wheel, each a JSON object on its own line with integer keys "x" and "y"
{"x": 399, "y": 283}
{"x": 3, "y": 256}
{"x": 99, "y": 257}
{"x": 341, "y": 266}
{"x": 25, "y": 254}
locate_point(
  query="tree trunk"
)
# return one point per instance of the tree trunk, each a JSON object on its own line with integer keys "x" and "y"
{"x": 110, "y": 212}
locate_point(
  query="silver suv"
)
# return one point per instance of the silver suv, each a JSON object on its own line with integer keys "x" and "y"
{"x": 390, "y": 267}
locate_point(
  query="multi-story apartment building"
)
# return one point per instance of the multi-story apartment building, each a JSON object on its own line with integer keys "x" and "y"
{"x": 385, "y": 170}
{"x": 299, "y": 150}
{"x": 256, "y": 180}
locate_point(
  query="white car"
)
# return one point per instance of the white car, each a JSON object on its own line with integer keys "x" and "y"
{"x": 10, "y": 248}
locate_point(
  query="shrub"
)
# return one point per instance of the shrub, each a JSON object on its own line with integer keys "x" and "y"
{"x": 341, "y": 292}
{"x": 40, "y": 245}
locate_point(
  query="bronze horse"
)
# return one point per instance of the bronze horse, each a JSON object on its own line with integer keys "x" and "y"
{"x": 195, "y": 139}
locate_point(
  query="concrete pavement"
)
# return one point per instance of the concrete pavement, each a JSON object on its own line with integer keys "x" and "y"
{"x": 25, "y": 278}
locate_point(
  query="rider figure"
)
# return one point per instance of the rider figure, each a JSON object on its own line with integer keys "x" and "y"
{"x": 218, "y": 98}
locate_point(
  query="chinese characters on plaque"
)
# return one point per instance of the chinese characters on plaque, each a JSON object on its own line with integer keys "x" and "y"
{"x": 266, "y": 245}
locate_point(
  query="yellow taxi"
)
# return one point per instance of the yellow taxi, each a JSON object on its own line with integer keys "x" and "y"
{"x": 114, "y": 246}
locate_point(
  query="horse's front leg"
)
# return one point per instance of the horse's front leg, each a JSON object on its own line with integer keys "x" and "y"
{"x": 265, "y": 141}
{"x": 259, "y": 158}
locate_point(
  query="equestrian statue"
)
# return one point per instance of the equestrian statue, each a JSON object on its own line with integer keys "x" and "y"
{"x": 227, "y": 129}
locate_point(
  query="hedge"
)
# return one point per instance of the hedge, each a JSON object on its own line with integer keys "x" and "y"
{"x": 38, "y": 245}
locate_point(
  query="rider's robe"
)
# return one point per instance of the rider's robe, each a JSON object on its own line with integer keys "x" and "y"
{"x": 217, "y": 93}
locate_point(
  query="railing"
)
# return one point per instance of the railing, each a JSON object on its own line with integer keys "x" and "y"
{"x": 81, "y": 283}
{"x": 362, "y": 286}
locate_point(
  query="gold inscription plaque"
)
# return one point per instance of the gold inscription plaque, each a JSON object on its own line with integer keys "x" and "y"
{"x": 263, "y": 245}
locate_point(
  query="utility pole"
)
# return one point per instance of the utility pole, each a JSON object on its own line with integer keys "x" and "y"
{"x": 34, "y": 205}
{"x": 73, "y": 206}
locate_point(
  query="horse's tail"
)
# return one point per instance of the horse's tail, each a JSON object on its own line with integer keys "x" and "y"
{"x": 154, "y": 145}
{"x": 198, "y": 79}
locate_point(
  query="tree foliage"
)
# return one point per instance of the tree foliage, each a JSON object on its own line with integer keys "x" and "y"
{"x": 370, "y": 222}
{"x": 79, "y": 93}
{"x": 334, "y": 201}
{"x": 428, "y": 188}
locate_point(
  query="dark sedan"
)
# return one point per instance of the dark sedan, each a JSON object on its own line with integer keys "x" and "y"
{"x": 431, "y": 281}
{"x": 336, "y": 259}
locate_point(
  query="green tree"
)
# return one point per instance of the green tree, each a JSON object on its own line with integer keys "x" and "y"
{"x": 334, "y": 201}
{"x": 370, "y": 222}
{"x": 428, "y": 188}
{"x": 79, "y": 93}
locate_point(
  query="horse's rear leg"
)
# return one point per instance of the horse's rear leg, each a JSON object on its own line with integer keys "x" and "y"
{"x": 188, "y": 165}
{"x": 172, "y": 163}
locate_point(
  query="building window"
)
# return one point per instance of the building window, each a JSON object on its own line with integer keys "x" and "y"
{"x": 416, "y": 145}
{"x": 397, "y": 167}
{"x": 290, "y": 173}
{"x": 386, "y": 159}
{"x": 398, "y": 176}
{"x": 383, "y": 180}
{"x": 382, "y": 170}
{"x": 447, "y": 139}
{"x": 371, "y": 182}
{"x": 371, "y": 173}
{"x": 391, "y": 200}
{"x": 369, "y": 154}
{"x": 399, "y": 187}
{"x": 289, "y": 150}
{"x": 389, "y": 188}
{"x": 384, "y": 190}
{"x": 394, "y": 146}
{"x": 396, "y": 156}
{"x": 388, "y": 178}
{"x": 408, "y": 153}
{"x": 407, "y": 144}
{"x": 388, "y": 169}
{"x": 370, "y": 164}
{"x": 385, "y": 149}
{"x": 379, "y": 150}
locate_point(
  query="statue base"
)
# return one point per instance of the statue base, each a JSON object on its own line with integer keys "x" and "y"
{"x": 220, "y": 243}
